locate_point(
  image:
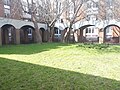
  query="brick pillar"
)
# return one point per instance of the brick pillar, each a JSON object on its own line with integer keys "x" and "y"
{"x": 62, "y": 35}
{"x": 101, "y": 36}
{"x": 76, "y": 35}
{"x": 119, "y": 38}
{"x": 17, "y": 36}
{"x": 1, "y": 8}
{"x": 46, "y": 35}
{"x": 0, "y": 38}
{"x": 81, "y": 38}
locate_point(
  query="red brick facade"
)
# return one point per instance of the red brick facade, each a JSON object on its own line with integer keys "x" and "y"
{"x": 15, "y": 9}
{"x": 1, "y": 8}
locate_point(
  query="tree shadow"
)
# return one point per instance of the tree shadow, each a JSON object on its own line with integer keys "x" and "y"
{"x": 16, "y": 75}
{"x": 28, "y": 49}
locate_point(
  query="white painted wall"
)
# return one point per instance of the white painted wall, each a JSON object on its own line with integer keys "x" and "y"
{"x": 19, "y": 23}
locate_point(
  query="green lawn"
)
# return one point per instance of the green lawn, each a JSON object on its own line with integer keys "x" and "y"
{"x": 58, "y": 66}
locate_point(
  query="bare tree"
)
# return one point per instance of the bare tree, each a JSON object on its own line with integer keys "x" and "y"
{"x": 109, "y": 9}
{"x": 75, "y": 13}
{"x": 49, "y": 12}
{"x": 102, "y": 10}
{"x": 32, "y": 6}
{"x": 116, "y": 10}
{"x": 45, "y": 11}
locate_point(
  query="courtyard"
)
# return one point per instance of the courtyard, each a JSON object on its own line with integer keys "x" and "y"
{"x": 60, "y": 66}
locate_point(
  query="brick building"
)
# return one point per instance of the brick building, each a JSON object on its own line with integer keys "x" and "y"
{"x": 15, "y": 25}
{"x": 98, "y": 14}
{"x": 15, "y": 29}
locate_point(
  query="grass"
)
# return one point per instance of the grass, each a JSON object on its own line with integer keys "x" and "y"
{"x": 57, "y": 66}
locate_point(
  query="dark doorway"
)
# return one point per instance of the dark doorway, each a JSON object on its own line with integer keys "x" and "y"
{"x": 43, "y": 34}
{"x": 8, "y": 34}
{"x": 27, "y": 34}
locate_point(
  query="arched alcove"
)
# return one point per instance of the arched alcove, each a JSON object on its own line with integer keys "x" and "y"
{"x": 111, "y": 33}
{"x": 8, "y": 34}
{"x": 87, "y": 34}
{"x": 27, "y": 34}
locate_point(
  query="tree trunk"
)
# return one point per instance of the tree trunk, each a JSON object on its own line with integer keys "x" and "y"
{"x": 73, "y": 37}
{"x": 48, "y": 32}
{"x": 65, "y": 36}
{"x": 37, "y": 36}
{"x": 51, "y": 29}
{"x": 69, "y": 34}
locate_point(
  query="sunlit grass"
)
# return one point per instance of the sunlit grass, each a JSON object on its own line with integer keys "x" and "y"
{"x": 88, "y": 61}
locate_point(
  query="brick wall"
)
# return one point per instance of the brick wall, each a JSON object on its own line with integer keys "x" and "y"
{"x": 15, "y": 9}
{"x": 1, "y": 8}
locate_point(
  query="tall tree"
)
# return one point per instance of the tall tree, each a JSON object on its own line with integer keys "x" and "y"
{"x": 116, "y": 9}
{"x": 75, "y": 13}
{"x": 32, "y": 7}
{"x": 109, "y": 9}
{"x": 50, "y": 11}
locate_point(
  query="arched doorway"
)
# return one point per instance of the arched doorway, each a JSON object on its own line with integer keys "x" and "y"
{"x": 112, "y": 33}
{"x": 8, "y": 34}
{"x": 43, "y": 34}
{"x": 88, "y": 33}
{"x": 27, "y": 34}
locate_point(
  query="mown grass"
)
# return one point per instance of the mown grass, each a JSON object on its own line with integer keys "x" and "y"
{"x": 57, "y": 66}
{"x": 29, "y": 48}
{"x": 101, "y": 48}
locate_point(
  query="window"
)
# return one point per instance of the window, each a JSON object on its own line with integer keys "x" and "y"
{"x": 30, "y": 30}
{"x": 92, "y": 30}
{"x": 89, "y": 5}
{"x": 109, "y": 2}
{"x": 88, "y": 18}
{"x": 30, "y": 33}
{"x": 89, "y": 30}
{"x": 86, "y": 30}
{"x": 95, "y": 5}
{"x": 25, "y": 9}
{"x": 108, "y": 30}
{"x": 6, "y": 15}
{"x": 7, "y": 12}
{"x": 7, "y": 2}
{"x": 56, "y": 30}
{"x": 93, "y": 17}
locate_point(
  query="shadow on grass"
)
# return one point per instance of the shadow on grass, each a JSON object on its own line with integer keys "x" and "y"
{"x": 30, "y": 48}
{"x": 15, "y": 75}
{"x": 101, "y": 47}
